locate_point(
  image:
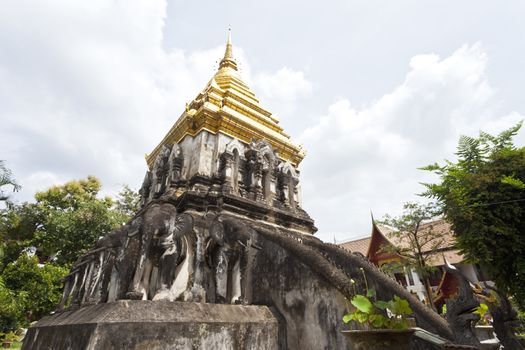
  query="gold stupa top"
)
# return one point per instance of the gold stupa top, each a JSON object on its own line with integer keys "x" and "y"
{"x": 227, "y": 105}
{"x": 228, "y": 60}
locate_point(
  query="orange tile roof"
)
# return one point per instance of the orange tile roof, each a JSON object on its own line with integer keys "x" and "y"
{"x": 452, "y": 254}
{"x": 359, "y": 245}
{"x": 440, "y": 227}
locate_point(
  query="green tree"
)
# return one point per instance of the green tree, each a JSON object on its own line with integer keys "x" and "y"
{"x": 10, "y": 309}
{"x": 18, "y": 224}
{"x": 36, "y": 287}
{"x": 482, "y": 194}
{"x": 6, "y": 179}
{"x": 418, "y": 242}
{"x": 127, "y": 202}
{"x": 63, "y": 223}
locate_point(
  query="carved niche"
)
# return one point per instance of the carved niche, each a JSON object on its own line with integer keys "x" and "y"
{"x": 231, "y": 168}
{"x": 159, "y": 173}
{"x": 249, "y": 171}
{"x": 287, "y": 185}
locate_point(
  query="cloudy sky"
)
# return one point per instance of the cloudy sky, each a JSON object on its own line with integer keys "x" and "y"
{"x": 373, "y": 89}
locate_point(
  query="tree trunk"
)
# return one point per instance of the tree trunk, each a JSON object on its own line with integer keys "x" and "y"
{"x": 428, "y": 290}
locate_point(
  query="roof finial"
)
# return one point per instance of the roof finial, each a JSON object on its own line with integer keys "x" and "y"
{"x": 228, "y": 60}
{"x": 228, "y": 53}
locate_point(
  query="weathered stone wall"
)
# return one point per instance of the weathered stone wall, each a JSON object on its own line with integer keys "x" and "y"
{"x": 308, "y": 308}
{"x": 158, "y": 325}
{"x": 202, "y": 153}
{"x": 198, "y": 154}
{"x": 202, "y": 156}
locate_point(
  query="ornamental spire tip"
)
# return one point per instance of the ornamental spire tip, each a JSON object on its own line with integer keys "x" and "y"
{"x": 228, "y": 60}
{"x": 228, "y": 53}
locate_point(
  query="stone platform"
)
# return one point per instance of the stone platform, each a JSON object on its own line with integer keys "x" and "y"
{"x": 134, "y": 324}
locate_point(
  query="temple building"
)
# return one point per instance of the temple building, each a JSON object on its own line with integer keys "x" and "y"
{"x": 220, "y": 254}
{"x": 226, "y": 145}
{"x": 377, "y": 248}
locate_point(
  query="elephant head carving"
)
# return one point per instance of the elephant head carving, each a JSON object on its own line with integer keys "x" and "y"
{"x": 230, "y": 258}
{"x": 162, "y": 246}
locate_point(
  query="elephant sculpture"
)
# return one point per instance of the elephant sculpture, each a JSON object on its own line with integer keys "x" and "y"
{"x": 231, "y": 253}
{"x": 164, "y": 241}
{"x": 173, "y": 254}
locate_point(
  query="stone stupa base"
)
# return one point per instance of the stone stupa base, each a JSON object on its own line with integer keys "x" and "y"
{"x": 137, "y": 324}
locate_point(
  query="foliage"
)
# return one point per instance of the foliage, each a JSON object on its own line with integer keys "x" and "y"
{"x": 9, "y": 336}
{"x": 17, "y": 229}
{"x": 419, "y": 241}
{"x": 483, "y": 195}
{"x": 64, "y": 222}
{"x": 10, "y": 309}
{"x": 37, "y": 287}
{"x": 483, "y": 311}
{"x": 6, "y": 179}
{"x": 379, "y": 314}
{"x": 520, "y": 329}
{"x": 127, "y": 202}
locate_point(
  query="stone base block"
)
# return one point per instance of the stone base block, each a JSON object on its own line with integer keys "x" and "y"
{"x": 156, "y": 325}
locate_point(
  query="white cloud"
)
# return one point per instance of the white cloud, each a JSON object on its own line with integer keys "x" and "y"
{"x": 286, "y": 85}
{"x": 81, "y": 93}
{"x": 362, "y": 159}
{"x": 282, "y": 91}
{"x": 89, "y": 89}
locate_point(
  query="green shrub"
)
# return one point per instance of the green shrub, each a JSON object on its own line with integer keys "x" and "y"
{"x": 37, "y": 287}
{"x": 10, "y": 309}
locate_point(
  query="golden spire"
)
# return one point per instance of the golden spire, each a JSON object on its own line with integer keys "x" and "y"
{"x": 228, "y": 106}
{"x": 228, "y": 53}
{"x": 228, "y": 60}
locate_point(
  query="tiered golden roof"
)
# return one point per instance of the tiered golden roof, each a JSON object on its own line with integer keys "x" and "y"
{"x": 228, "y": 106}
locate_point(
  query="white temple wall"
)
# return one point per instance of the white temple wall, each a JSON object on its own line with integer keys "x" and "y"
{"x": 206, "y": 143}
{"x": 199, "y": 154}
{"x": 202, "y": 156}
{"x": 189, "y": 152}
{"x": 202, "y": 152}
